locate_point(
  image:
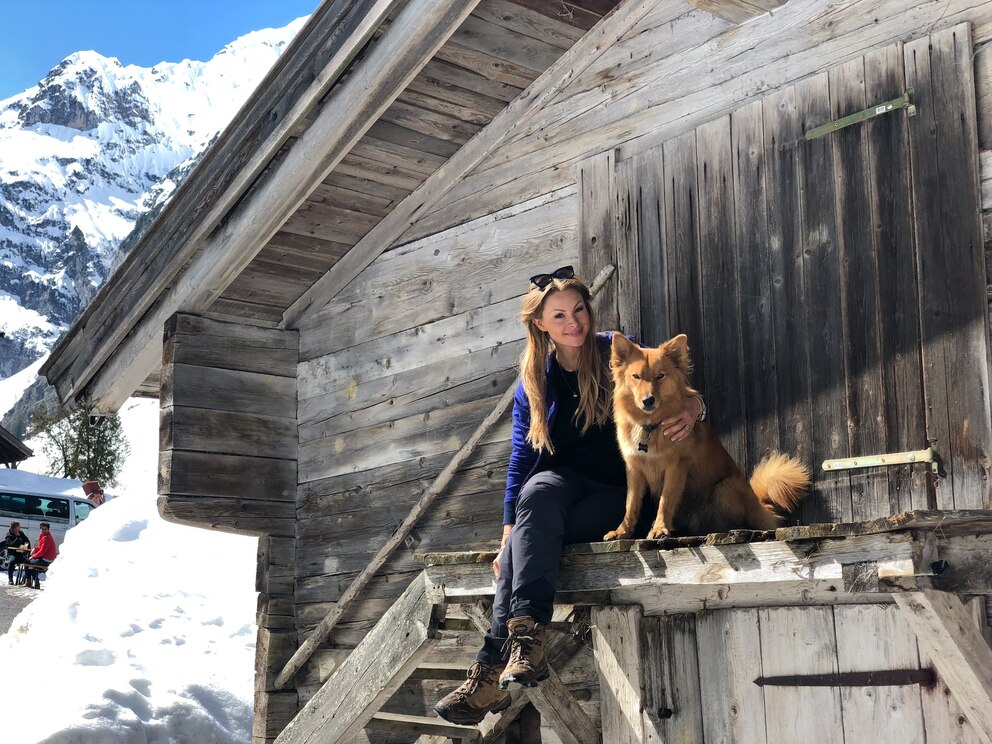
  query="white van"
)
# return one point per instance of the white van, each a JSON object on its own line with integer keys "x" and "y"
{"x": 32, "y": 499}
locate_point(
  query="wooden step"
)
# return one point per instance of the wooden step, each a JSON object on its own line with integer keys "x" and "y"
{"x": 401, "y": 724}
{"x": 440, "y": 670}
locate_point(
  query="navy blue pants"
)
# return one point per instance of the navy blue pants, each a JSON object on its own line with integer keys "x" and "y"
{"x": 554, "y": 508}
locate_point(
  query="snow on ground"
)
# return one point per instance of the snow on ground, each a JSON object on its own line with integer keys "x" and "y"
{"x": 145, "y": 630}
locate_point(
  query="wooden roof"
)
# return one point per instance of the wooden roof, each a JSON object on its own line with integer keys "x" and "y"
{"x": 12, "y": 449}
{"x": 371, "y": 99}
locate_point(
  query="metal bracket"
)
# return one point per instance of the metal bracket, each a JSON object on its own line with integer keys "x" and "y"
{"x": 905, "y": 101}
{"x": 877, "y": 461}
{"x": 884, "y": 678}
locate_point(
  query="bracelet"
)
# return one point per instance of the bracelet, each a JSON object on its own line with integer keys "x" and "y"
{"x": 702, "y": 414}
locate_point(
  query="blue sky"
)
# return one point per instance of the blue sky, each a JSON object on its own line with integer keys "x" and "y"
{"x": 35, "y": 35}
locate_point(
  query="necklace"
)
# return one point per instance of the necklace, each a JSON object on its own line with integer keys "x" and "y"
{"x": 564, "y": 377}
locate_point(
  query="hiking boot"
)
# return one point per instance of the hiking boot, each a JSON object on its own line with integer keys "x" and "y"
{"x": 476, "y": 696}
{"x": 528, "y": 663}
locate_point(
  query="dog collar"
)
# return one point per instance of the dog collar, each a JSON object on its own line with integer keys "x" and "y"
{"x": 646, "y": 430}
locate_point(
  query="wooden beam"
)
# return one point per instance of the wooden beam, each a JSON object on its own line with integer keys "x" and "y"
{"x": 952, "y": 638}
{"x": 859, "y": 568}
{"x": 373, "y": 671}
{"x": 416, "y": 34}
{"x": 736, "y": 11}
{"x": 320, "y": 53}
{"x": 567, "y": 68}
{"x": 616, "y": 634}
{"x": 396, "y": 723}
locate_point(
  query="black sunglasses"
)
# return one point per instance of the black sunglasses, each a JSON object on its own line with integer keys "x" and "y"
{"x": 543, "y": 280}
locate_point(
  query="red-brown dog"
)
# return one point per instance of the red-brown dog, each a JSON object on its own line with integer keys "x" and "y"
{"x": 695, "y": 481}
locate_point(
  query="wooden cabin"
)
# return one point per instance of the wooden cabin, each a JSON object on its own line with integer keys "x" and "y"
{"x": 328, "y": 307}
{"x": 12, "y": 449}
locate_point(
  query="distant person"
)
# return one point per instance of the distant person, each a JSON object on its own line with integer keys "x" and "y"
{"x": 94, "y": 492}
{"x": 42, "y": 555}
{"x": 17, "y": 544}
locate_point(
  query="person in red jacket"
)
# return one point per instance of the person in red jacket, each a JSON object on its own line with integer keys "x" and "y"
{"x": 43, "y": 554}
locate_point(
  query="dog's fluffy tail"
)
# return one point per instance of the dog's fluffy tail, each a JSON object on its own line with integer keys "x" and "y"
{"x": 780, "y": 483}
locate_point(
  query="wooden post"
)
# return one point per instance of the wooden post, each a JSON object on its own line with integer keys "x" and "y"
{"x": 373, "y": 671}
{"x": 616, "y": 633}
{"x": 951, "y": 636}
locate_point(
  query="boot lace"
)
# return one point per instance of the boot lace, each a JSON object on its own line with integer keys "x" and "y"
{"x": 519, "y": 644}
{"x": 477, "y": 675}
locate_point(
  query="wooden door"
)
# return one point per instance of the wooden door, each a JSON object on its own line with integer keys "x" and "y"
{"x": 832, "y": 289}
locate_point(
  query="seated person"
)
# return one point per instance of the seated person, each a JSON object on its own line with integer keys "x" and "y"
{"x": 16, "y": 543}
{"x": 42, "y": 555}
{"x": 94, "y": 492}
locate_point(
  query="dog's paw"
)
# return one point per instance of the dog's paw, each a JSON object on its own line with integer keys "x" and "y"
{"x": 616, "y": 535}
{"x": 658, "y": 533}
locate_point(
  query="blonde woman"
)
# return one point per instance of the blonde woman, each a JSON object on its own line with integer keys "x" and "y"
{"x": 566, "y": 483}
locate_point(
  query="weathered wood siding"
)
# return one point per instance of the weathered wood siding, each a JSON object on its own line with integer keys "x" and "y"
{"x": 402, "y": 365}
{"x": 832, "y": 288}
{"x": 228, "y": 462}
{"x": 699, "y": 675}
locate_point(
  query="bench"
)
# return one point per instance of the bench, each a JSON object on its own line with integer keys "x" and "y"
{"x": 25, "y": 569}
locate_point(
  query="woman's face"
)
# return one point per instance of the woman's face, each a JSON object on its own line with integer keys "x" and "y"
{"x": 565, "y": 318}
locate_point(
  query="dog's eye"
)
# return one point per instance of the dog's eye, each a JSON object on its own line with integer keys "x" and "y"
{"x": 660, "y": 376}
{"x": 636, "y": 377}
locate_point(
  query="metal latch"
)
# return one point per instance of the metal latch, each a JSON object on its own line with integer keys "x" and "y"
{"x": 876, "y": 461}
{"x": 905, "y": 101}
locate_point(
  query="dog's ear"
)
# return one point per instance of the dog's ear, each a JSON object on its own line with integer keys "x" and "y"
{"x": 623, "y": 348}
{"x": 677, "y": 350}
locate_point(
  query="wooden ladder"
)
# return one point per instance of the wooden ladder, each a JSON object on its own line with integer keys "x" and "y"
{"x": 394, "y": 650}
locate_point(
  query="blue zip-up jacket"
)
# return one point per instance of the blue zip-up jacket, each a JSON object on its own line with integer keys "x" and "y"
{"x": 525, "y": 461}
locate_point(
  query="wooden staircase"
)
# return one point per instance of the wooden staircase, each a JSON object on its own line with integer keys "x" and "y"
{"x": 350, "y": 702}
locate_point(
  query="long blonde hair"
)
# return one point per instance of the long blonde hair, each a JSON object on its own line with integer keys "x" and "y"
{"x": 595, "y": 382}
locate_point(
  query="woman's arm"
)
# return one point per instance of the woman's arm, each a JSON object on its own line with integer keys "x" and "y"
{"x": 679, "y": 427}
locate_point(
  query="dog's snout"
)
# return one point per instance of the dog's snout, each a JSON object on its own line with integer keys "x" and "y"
{"x": 647, "y": 402}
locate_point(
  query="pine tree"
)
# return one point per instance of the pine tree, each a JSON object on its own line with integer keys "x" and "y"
{"x": 76, "y": 448}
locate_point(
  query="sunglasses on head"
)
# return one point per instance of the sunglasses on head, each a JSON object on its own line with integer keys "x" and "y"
{"x": 543, "y": 280}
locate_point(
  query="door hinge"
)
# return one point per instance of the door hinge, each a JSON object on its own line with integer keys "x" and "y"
{"x": 905, "y": 101}
{"x": 885, "y": 678}
{"x": 877, "y": 461}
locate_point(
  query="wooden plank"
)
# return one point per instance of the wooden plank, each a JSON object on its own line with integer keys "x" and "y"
{"x": 347, "y": 701}
{"x": 430, "y": 122}
{"x": 949, "y": 633}
{"x": 228, "y": 432}
{"x": 356, "y": 200}
{"x": 744, "y": 575}
{"x": 757, "y": 314}
{"x": 617, "y": 649}
{"x": 192, "y": 339}
{"x": 389, "y": 152}
{"x": 439, "y": 276}
{"x": 444, "y": 76}
{"x": 506, "y": 45}
{"x": 595, "y": 179}
{"x": 728, "y": 643}
{"x": 419, "y": 30}
{"x": 641, "y": 231}
{"x": 859, "y": 285}
{"x": 625, "y": 211}
{"x": 571, "y": 13}
{"x": 800, "y": 641}
{"x": 735, "y": 11}
{"x": 673, "y": 705}
{"x": 234, "y": 476}
{"x": 719, "y": 344}
{"x": 890, "y": 182}
{"x": 390, "y": 174}
{"x": 954, "y": 308}
{"x": 307, "y": 70}
{"x": 584, "y": 53}
{"x": 237, "y": 516}
{"x": 530, "y": 23}
{"x": 498, "y": 71}
{"x": 782, "y": 137}
{"x": 397, "y": 723}
{"x": 872, "y": 638}
{"x": 454, "y": 101}
{"x": 830, "y": 500}
{"x": 681, "y": 243}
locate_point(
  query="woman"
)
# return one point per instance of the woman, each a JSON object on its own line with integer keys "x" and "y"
{"x": 565, "y": 483}
{"x": 15, "y": 539}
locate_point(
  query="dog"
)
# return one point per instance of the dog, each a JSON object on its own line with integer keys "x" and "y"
{"x": 699, "y": 487}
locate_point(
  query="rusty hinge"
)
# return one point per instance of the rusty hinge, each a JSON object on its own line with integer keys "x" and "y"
{"x": 905, "y": 101}
{"x": 884, "y": 678}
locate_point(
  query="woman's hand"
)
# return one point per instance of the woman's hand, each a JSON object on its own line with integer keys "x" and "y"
{"x": 679, "y": 427}
{"x": 502, "y": 544}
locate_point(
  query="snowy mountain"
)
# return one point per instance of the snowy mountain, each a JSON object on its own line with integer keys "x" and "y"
{"x": 83, "y": 155}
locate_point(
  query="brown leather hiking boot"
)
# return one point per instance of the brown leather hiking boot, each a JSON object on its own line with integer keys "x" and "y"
{"x": 528, "y": 663}
{"x": 476, "y": 696}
